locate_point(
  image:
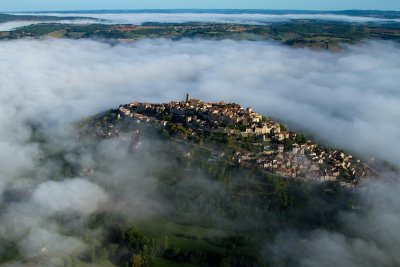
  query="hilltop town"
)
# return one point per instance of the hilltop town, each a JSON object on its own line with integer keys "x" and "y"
{"x": 241, "y": 136}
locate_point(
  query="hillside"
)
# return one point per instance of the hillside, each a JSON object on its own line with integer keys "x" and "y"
{"x": 238, "y": 136}
{"x": 222, "y": 201}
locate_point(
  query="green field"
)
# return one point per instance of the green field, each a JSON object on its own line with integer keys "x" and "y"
{"x": 301, "y": 33}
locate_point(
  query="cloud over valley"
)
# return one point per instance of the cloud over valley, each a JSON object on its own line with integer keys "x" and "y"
{"x": 347, "y": 100}
{"x": 140, "y": 17}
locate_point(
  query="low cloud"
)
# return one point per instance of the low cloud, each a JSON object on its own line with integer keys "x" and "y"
{"x": 12, "y": 25}
{"x": 75, "y": 195}
{"x": 138, "y": 18}
{"x": 348, "y": 100}
{"x": 42, "y": 242}
{"x": 367, "y": 238}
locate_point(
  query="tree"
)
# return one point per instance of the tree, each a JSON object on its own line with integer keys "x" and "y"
{"x": 287, "y": 143}
{"x": 138, "y": 261}
{"x": 201, "y": 141}
{"x": 93, "y": 255}
{"x": 73, "y": 261}
{"x": 226, "y": 262}
{"x": 300, "y": 139}
{"x": 138, "y": 243}
{"x": 166, "y": 242}
{"x": 165, "y": 133}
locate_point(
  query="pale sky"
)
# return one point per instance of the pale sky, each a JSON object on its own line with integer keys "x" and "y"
{"x": 51, "y": 5}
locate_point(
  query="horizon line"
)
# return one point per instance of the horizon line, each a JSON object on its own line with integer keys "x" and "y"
{"x": 205, "y": 9}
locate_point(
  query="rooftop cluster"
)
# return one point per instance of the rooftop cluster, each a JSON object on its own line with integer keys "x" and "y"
{"x": 273, "y": 148}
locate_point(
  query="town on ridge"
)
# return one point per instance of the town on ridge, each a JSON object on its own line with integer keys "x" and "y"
{"x": 255, "y": 140}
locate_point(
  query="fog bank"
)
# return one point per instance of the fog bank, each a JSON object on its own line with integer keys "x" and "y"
{"x": 349, "y": 100}
{"x": 12, "y": 25}
{"x": 138, "y": 18}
